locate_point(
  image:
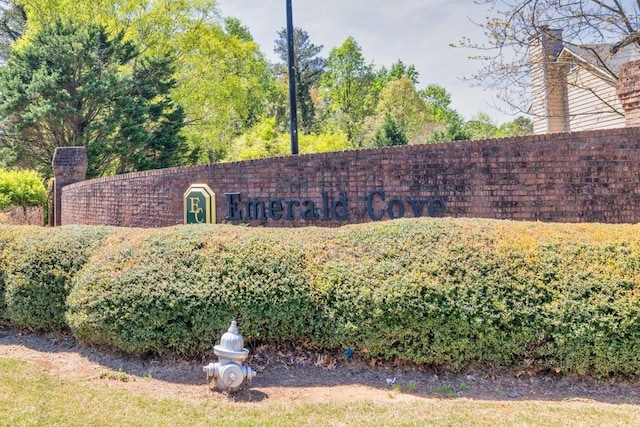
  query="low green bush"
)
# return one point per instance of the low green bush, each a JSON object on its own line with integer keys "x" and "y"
{"x": 445, "y": 292}
{"x": 457, "y": 292}
{"x": 177, "y": 289}
{"x": 21, "y": 188}
{"x": 7, "y": 235}
{"x": 38, "y": 265}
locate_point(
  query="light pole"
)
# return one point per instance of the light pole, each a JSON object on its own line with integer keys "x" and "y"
{"x": 293, "y": 109}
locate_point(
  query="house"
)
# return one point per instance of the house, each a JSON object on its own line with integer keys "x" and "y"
{"x": 574, "y": 88}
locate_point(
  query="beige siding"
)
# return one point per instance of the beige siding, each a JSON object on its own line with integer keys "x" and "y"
{"x": 548, "y": 93}
{"x": 556, "y": 101}
{"x": 538, "y": 93}
{"x": 592, "y": 101}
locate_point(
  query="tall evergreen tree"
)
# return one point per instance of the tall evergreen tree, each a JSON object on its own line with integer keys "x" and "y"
{"x": 400, "y": 70}
{"x": 223, "y": 82}
{"x": 389, "y": 134}
{"x": 75, "y": 86}
{"x": 309, "y": 67}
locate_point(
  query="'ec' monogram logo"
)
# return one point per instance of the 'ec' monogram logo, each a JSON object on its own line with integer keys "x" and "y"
{"x": 196, "y": 210}
{"x": 199, "y": 205}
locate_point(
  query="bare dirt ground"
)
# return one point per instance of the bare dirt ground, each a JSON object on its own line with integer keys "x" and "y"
{"x": 298, "y": 375}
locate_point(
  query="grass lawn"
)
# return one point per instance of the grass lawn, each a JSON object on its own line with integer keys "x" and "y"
{"x": 30, "y": 397}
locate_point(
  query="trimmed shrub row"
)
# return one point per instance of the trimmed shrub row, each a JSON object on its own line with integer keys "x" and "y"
{"x": 175, "y": 290}
{"x": 7, "y": 235}
{"x": 38, "y": 265}
{"x": 446, "y": 292}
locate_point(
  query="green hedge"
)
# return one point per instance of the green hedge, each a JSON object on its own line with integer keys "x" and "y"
{"x": 456, "y": 292}
{"x": 7, "y": 235}
{"x": 176, "y": 289}
{"x": 38, "y": 265}
{"x": 447, "y": 292}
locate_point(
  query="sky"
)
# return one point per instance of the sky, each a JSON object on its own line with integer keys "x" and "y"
{"x": 417, "y": 32}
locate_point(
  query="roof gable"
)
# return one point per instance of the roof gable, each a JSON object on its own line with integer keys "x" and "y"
{"x": 600, "y": 58}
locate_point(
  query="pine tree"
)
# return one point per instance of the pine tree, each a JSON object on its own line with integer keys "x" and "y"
{"x": 389, "y": 134}
{"x": 75, "y": 86}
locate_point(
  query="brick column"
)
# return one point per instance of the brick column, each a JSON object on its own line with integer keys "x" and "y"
{"x": 69, "y": 166}
{"x": 629, "y": 92}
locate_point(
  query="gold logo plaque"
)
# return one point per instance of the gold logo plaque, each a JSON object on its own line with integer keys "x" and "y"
{"x": 199, "y": 205}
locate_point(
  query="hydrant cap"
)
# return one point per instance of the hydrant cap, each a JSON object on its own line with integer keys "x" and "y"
{"x": 232, "y": 340}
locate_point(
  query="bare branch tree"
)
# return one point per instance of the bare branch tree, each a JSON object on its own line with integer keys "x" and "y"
{"x": 597, "y": 29}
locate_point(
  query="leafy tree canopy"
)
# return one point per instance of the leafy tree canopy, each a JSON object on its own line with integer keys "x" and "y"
{"x": 235, "y": 28}
{"x": 482, "y": 126}
{"x": 348, "y": 89}
{"x": 400, "y": 101}
{"x": 73, "y": 85}
{"x": 223, "y": 81}
{"x": 263, "y": 140}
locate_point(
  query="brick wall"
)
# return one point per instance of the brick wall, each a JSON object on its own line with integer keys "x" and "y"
{"x": 69, "y": 165}
{"x": 567, "y": 177}
{"x": 32, "y": 215}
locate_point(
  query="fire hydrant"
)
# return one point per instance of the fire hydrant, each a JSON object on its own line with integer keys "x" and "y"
{"x": 229, "y": 371}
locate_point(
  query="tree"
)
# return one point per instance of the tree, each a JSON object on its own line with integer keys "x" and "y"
{"x": 225, "y": 86}
{"x": 261, "y": 141}
{"x": 75, "y": 86}
{"x": 440, "y": 101}
{"x": 234, "y": 27}
{"x": 449, "y": 123}
{"x": 481, "y": 127}
{"x": 308, "y": 71}
{"x": 223, "y": 81}
{"x": 400, "y": 101}
{"x": 400, "y": 70}
{"x": 347, "y": 84}
{"x": 521, "y": 24}
{"x": 149, "y": 134}
{"x": 389, "y": 134}
{"x": 452, "y": 131}
{"x": 520, "y": 126}
{"x": 264, "y": 140}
